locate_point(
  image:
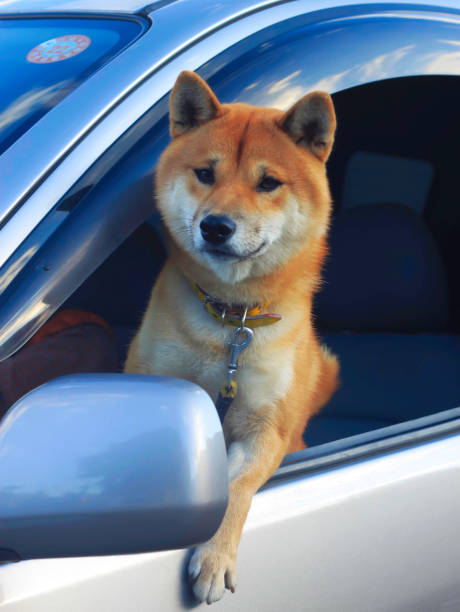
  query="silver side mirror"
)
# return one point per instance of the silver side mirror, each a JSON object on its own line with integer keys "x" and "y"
{"x": 103, "y": 464}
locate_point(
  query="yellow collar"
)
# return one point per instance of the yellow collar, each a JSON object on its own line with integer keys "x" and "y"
{"x": 227, "y": 314}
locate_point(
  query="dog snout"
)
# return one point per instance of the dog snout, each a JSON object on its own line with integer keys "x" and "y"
{"x": 217, "y": 229}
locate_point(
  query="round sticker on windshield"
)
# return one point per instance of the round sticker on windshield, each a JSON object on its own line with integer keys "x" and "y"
{"x": 58, "y": 49}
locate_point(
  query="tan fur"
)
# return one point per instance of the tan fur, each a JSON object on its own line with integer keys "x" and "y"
{"x": 285, "y": 375}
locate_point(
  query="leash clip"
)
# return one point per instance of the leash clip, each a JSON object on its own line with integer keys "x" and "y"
{"x": 242, "y": 338}
{"x": 237, "y": 346}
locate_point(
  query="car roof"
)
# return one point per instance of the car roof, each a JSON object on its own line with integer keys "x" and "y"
{"x": 61, "y": 6}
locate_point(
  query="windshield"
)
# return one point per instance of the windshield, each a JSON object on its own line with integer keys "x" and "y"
{"x": 42, "y": 60}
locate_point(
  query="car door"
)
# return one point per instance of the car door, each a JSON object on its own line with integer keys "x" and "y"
{"x": 363, "y": 523}
{"x": 372, "y": 526}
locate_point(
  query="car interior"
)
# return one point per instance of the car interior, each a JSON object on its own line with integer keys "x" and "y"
{"x": 390, "y": 302}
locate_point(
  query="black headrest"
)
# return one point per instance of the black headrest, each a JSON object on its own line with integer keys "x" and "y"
{"x": 384, "y": 273}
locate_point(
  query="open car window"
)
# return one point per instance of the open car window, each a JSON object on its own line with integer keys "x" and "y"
{"x": 115, "y": 197}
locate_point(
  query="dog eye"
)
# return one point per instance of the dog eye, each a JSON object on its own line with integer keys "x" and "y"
{"x": 268, "y": 184}
{"x": 205, "y": 175}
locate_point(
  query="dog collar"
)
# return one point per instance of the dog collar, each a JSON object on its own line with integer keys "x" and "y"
{"x": 232, "y": 314}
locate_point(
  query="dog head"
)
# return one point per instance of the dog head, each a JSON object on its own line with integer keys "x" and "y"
{"x": 241, "y": 188}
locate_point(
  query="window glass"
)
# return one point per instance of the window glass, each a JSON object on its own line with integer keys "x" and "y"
{"x": 278, "y": 65}
{"x": 42, "y": 60}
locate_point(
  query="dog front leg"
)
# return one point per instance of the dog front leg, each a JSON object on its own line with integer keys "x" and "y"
{"x": 251, "y": 462}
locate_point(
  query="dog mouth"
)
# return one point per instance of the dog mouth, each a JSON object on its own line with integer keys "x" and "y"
{"x": 227, "y": 254}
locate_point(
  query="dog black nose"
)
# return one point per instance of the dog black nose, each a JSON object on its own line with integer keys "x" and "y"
{"x": 216, "y": 229}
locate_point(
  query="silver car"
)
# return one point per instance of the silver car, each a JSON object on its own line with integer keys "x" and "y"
{"x": 107, "y": 479}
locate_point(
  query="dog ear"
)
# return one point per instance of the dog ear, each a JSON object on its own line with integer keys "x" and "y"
{"x": 311, "y": 123}
{"x": 192, "y": 103}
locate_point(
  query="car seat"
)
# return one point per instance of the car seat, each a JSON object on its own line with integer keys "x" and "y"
{"x": 384, "y": 311}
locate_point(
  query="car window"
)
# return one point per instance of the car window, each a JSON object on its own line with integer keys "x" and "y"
{"x": 43, "y": 60}
{"x": 276, "y": 67}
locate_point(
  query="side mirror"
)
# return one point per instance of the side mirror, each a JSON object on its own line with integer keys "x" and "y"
{"x": 104, "y": 464}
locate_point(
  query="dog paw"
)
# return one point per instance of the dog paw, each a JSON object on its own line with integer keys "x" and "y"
{"x": 212, "y": 572}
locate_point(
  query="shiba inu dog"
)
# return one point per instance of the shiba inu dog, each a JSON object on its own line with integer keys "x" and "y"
{"x": 245, "y": 200}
